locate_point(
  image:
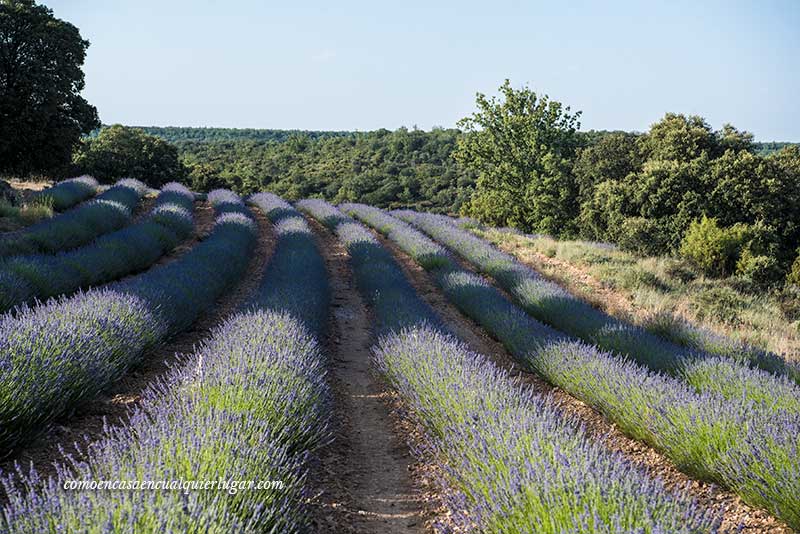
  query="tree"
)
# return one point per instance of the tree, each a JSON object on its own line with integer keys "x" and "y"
{"x": 521, "y": 147}
{"x": 612, "y": 157}
{"x": 677, "y": 137}
{"x": 123, "y": 152}
{"x": 42, "y": 115}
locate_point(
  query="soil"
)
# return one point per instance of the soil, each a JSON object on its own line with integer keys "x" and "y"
{"x": 86, "y": 424}
{"x": 365, "y": 481}
{"x": 730, "y": 507}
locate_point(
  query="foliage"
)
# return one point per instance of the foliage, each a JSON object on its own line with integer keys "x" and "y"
{"x": 713, "y": 249}
{"x": 794, "y": 275}
{"x": 179, "y": 135}
{"x": 119, "y": 152}
{"x": 42, "y": 113}
{"x": 521, "y": 147}
{"x": 643, "y": 192}
{"x": 404, "y": 168}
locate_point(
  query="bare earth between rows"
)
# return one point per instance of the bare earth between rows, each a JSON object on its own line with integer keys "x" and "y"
{"x": 365, "y": 480}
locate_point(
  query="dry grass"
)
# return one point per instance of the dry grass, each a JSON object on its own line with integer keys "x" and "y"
{"x": 16, "y": 217}
{"x": 659, "y": 290}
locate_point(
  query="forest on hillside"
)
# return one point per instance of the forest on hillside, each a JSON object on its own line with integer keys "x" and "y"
{"x": 682, "y": 188}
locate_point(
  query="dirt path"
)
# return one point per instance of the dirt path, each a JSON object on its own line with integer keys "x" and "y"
{"x": 365, "y": 481}
{"x": 88, "y": 421}
{"x": 733, "y": 510}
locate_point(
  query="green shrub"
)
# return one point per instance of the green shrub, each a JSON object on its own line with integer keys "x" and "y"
{"x": 793, "y": 278}
{"x": 715, "y": 250}
{"x": 7, "y": 210}
{"x": 759, "y": 268}
{"x": 641, "y": 236}
{"x": 789, "y": 302}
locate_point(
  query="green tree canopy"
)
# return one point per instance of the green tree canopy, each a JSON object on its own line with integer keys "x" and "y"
{"x": 123, "y": 152}
{"x": 42, "y": 115}
{"x": 521, "y": 147}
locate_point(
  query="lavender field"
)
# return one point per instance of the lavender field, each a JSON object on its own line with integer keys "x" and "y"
{"x": 217, "y": 344}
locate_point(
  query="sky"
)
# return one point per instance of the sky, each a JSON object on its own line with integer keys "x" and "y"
{"x": 362, "y": 65}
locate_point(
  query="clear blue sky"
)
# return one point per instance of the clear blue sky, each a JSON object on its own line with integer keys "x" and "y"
{"x": 345, "y": 65}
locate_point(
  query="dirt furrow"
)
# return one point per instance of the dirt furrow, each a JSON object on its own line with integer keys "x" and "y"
{"x": 87, "y": 423}
{"x": 734, "y": 512}
{"x": 364, "y": 481}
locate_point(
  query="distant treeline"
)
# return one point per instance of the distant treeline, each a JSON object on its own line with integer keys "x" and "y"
{"x": 765, "y": 149}
{"x": 177, "y": 134}
{"x": 401, "y": 168}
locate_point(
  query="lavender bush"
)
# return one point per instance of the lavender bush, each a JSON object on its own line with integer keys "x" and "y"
{"x": 109, "y": 211}
{"x": 65, "y": 351}
{"x": 67, "y": 193}
{"x": 110, "y": 256}
{"x": 252, "y": 403}
{"x": 517, "y": 463}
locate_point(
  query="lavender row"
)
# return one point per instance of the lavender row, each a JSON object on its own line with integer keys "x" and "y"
{"x": 111, "y": 256}
{"x": 251, "y": 404}
{"x": 67, "y": 193}
{"x": 680, "y": 331}
{"x": 384, "y": 285}
{"x": 63, "y": 352}
{"x": 109, "y": 211}
{"x": 551, "y": 304}
{"x": 304, "y": 297}
{"x": 517, "y": 463}
{"x": 749, "y": 447}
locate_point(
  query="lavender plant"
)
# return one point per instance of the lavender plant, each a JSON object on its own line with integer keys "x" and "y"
{"x": 518, "y": 463}
{"x": 67, "y": 193}
{"x": 252, "y": 403}
{"x": 65, "y": 351}
{"x": 110, "y": 256}
{"x": 109, "y": 211}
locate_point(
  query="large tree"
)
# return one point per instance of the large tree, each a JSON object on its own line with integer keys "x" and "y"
{"x": 42, "y": 114}
{"x": 522, "y": 146}
{"x": 124, "y": 152}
